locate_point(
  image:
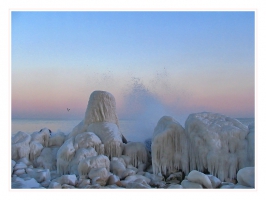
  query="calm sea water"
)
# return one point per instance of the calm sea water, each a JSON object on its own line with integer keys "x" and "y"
{"x": 135, "y": 131}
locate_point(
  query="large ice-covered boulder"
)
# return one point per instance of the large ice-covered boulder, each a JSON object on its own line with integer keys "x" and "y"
{"x": 169, "y": 147}
{"x": 137, "y": 152}
{"x": 20, "y": 145}
{"x": 41, "y": 137}
{"x": 217, "y": 144}
{"x": 101, "y": 119}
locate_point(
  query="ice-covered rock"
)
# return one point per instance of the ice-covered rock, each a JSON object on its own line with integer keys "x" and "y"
{"x": 80, "y": 155}
{"x": 245, "y": 177}
{"x": 56, "y": 139}
{"x": 35, "y": 150}
{"x": 87, "y": 164}
{"x": 88, "y": 139}
{"x": 99, "y": 175}
{"x": 137, "y": 152}
{"x": 20, "y": 145}
{"x": 190, "y": 185}
{"x": 216, "y": 183}
{"x": 138, "y": 184}
{"x": 67, "y": 179}
{"x": 110, "y": 136}
{"x": 47, "y": 158}
{"x": 216, "y": 143}
{"x": 21, "y": 183}
{"x": 175, "y": 186}
{"x": 64, "y": 155}
{"x": 40, "y": 175}
{"x": 113, "y": 179}
{"x": 169, "y": 147}
{"x": 200, "y": 178}
{"x": 250, "y": 145}
{"x": 20, "y": 165}
{"x": 41, "y": 137}
{"x": 117, "y": 168}
{"x": 101, "y": 119}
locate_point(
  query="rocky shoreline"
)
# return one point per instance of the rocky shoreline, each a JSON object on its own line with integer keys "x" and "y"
{"x": 212, "y": 151}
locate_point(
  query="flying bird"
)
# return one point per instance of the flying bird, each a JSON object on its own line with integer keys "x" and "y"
{"x": 68, "y": 109}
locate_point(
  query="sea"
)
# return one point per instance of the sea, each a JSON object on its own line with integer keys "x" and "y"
{"x": 133, "y": 130}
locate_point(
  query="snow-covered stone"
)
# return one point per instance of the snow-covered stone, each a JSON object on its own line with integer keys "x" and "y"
{"x": 169, "y": 147}
{"x": 20, "y": 145}
{"x": 246, "y": 177}
{"x": 20, "y": 165}
{"x": 40, "y": 175}
{"x": 200, "y": 178}
{"x": 113, "y": 179}
{"x": 216, "y": 143}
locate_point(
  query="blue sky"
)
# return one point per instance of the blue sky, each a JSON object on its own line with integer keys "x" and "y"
{"x": 187, "y": 61}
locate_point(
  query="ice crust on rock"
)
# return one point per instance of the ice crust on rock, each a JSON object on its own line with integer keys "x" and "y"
{"x": 101, "y": 119}
{"x": 110, "y": 137}
{"x": 41, "y": 137}
{"x": 47, "y": 158}
{"x": 246, "y": 177}
{"x": 216, "y": 143}
{"x": 169, "y": 147}
{"x": 198, "y": 177}
{"x": 87, "y": 164}
{"x": 137, "y": 152}
{"x": 20, "y": 145}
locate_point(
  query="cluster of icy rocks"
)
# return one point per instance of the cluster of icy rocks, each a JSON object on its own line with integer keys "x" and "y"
{"x": 212, "y": 151}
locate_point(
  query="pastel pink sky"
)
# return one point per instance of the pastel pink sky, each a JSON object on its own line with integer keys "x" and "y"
{"x": 185, "y": 62}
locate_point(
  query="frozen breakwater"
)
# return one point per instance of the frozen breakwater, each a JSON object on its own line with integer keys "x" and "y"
{"x": 211, "y": 151}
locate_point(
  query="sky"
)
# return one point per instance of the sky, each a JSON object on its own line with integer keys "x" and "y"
{"x": 169, "y": 63}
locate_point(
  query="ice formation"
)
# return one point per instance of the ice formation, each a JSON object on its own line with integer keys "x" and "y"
{"x": 250, "y": 147}
{"x": 47, "y": 158}
{"x": 20, "y": 145}
{"x": 101, "y": 119}
{"x": 79, "y": 156}
{"x": 41, "y": 137}
{"x": 169, "y": 147}
{"x": 137, "y": 152}
{"x": 217, "y": 144}
{"x": 89, "y": 139}
{"x": 87, "y": 164}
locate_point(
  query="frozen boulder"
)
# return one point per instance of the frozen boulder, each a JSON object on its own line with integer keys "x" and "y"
{"x": 40, "y": 175}
{"x": 88, "y": 139}
{"x": 217, "y": 144}
{"x": 101, "y": 108}
{"x": 35, "y": 150}
{"x": 56, "y": 139}
{"x": 250, "y": 145}
{"x": 20, "y": 145}
{"x": 216, "y": 183}
{"x": 64, "y": 155}
{"x": 47, "y": 158}
{"x": 99, "y": 175}
{"x": 110, "y": 136}
{"x": 67, "y": 179}
{"x": 42, "y": 136}
{"x": 245, "y": 177}
{"x": 80, "y": 155}
{"x": 137, "y": 152}
{"x": 113, "y": 179}
{"x": 24, "y": 183}
{"x": 169, "y": 147}
{"x": 190, "y": 185}
{"x": 200, "y": 178}
{"x": 87, "y": 164}
{"x": 117, "y": 168}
